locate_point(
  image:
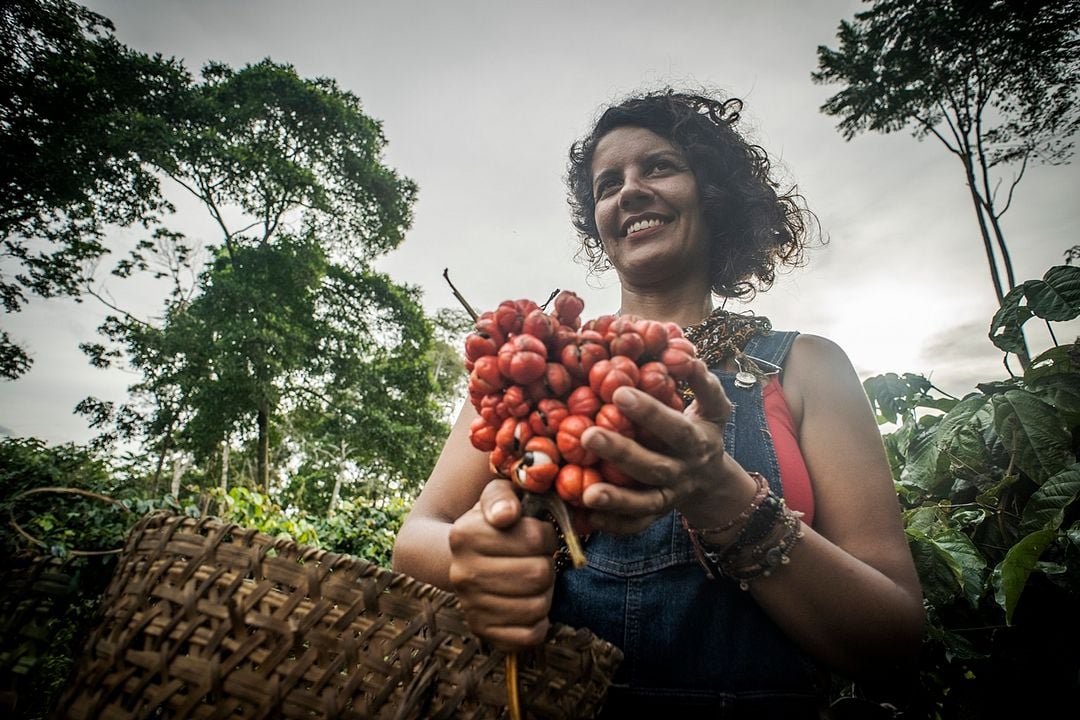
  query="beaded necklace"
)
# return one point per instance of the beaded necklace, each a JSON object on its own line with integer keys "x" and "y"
{"x": 722, "y": 336}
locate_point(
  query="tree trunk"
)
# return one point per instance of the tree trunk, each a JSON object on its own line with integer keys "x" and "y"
{"x": 225, "y": 465}
{"x": 263, "y": 461}
{"x": 178, "y": 468}
{"x": 981, "y": 211}
{"x": 988, "y": 246}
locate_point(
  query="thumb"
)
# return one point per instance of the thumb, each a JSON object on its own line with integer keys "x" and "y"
{"x": 500, "y": 504}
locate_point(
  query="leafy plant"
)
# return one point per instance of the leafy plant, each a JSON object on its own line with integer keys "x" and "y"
{"x": 989, "y": 484}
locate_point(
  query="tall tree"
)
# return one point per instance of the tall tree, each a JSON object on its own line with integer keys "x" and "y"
{"x": 290, "y": 171}
{"x": 84, "y": 122}
{"x": 995, "y": 81}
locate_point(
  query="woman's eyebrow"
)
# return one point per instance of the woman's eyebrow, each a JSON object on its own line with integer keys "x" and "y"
{"x": 604, "y": 175}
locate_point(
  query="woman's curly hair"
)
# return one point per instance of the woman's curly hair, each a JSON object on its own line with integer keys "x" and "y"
{"x": 754, "y": 228}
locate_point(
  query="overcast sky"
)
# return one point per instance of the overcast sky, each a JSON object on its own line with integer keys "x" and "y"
{"x": 479, "y": 102}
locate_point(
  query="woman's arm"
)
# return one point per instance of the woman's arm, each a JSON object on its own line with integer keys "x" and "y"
{"x": 849, "y": 595}
{"x": 465, "y": 533}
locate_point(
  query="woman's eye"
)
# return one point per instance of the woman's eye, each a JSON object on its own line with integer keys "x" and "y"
{"x": 605, "y": 187}
{"x": 661, "y": 166}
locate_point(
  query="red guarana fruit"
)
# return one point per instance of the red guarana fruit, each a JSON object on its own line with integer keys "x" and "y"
{"x": 477, "y": 345}
{"x": 655, "y": 380}
{"x": 568, "y": 307}
{"x": 482, "y": 435}
{"x": 583, "y": 401}
{"x": 556, "y": 382}
{"x": 540, "y": 325}
{"x": 523, "y": 359}
{"x": 610, "y": 417}
{"x": 581, "y": 356}
{"x": 547, "y": 417}
{"x": 485, "y": 377}
{"x": 655, "y": 337}
{"x": 492, "y": 409}
{"x": 601, "y": 324}
{"x": 572, "y": 481}
{"x": 568, "y": 439}
{"x": 627, "y": 344}
{"x": 500, "y": 461}
{"x": 517, "y": 405}
{"x": 487, "y": 325}
{"x": 607, "y": 376}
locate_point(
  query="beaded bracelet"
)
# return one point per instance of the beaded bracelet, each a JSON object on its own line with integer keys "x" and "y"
{"x": 751, "y": 555}
{"x": 771, "y": 557}
{"x": 760, "y": 494}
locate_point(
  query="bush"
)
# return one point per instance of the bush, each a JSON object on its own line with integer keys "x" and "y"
{"x": 989, "y": 485}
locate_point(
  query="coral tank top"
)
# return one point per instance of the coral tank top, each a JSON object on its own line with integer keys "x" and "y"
{"x": 798, "y": 493}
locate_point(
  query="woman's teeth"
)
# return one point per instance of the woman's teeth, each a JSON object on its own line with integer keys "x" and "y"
{"x": 644, "y": 224}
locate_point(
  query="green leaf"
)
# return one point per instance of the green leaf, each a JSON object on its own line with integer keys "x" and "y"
{"x": 1005, "y": 327}
{"x": 1057, "y": 295}
{"x": 1031, "y": 430}
{"x": 1011, "y": 574}
{"x": 964, "y": 560}
{"x": 923, "y": 468}
{"x": 1063, "y": 359}
{"x": 961, "y": 433}
{"x": 1046, "y": 507}
{"x": 1063, "y": 392}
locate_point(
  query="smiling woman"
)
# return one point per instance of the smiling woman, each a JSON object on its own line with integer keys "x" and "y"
{"x": 762, "y": 541}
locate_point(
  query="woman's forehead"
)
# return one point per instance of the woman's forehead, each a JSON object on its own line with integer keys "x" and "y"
{"x": 626, "y": 144}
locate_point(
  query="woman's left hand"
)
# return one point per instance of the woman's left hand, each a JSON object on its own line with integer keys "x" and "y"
{"x": 695, "y": 475}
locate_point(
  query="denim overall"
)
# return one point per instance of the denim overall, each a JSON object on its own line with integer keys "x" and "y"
{"x": 691, "y": 644}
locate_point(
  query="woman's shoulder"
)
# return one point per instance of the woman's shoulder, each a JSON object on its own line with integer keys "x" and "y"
{"x": 817, "y": 368}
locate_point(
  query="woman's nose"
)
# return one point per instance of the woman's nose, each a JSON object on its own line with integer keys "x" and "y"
{"x": 633, "y": 191}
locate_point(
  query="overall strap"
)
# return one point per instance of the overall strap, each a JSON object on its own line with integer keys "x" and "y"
{"x": 772, "y": 347}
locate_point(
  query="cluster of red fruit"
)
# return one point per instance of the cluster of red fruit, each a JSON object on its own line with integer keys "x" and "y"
{"x": 539, "y": 380}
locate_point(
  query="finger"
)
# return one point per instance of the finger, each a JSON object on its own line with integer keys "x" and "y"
{"x": 710, "y": 401}
{"x": 471, "y": 533}
{"x": 504, "y": 577}
{"x": 631, "y": 457}
{"x": 511, "y": 638}
{"x": 686, "y": 435}
{"x": 630, "y": 504}
{"x": 500, "y": 504}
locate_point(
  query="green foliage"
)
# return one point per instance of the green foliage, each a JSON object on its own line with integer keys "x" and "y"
{"x": 84, "y": 121}
{"x": 995, "y": 81}
{"x": 1055, "y": 297}
{"x": 49, "y": 593}
{"x": 990, "y": 487}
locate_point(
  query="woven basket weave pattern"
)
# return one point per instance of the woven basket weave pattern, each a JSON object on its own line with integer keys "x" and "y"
{"x": 208, "y": 620}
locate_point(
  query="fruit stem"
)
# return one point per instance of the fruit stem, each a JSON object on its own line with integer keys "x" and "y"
{"x": 534, "y": 504}
{"x": 461, "y": 299}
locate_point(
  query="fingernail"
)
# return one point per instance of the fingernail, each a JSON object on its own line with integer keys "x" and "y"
{"x": 601, "y": 499}
{"x": 593, "y": 440}
{"x": 627, "y": 399}
{"x": 500, "y": 508}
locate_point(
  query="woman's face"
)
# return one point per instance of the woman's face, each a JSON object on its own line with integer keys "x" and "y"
{"x": 648, "y": 211}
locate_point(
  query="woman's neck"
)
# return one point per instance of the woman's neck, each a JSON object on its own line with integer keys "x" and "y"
{"x": 684, "y": 306}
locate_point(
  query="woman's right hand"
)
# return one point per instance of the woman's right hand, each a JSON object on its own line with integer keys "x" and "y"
{"x": 501, "y": 569}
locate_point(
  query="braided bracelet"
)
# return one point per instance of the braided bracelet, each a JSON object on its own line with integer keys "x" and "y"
{"x": 771, "y": 557}
{"x": 749, "y": 556}
{"x": 760, "y": 494}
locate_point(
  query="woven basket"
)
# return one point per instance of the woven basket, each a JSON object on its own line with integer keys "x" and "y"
{"x": 208, "y": 620}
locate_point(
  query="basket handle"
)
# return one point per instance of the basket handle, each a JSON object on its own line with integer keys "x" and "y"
{"x": 64, "y": 491}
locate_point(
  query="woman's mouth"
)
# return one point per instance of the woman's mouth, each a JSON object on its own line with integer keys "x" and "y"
{"x": 644, "y": 224}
